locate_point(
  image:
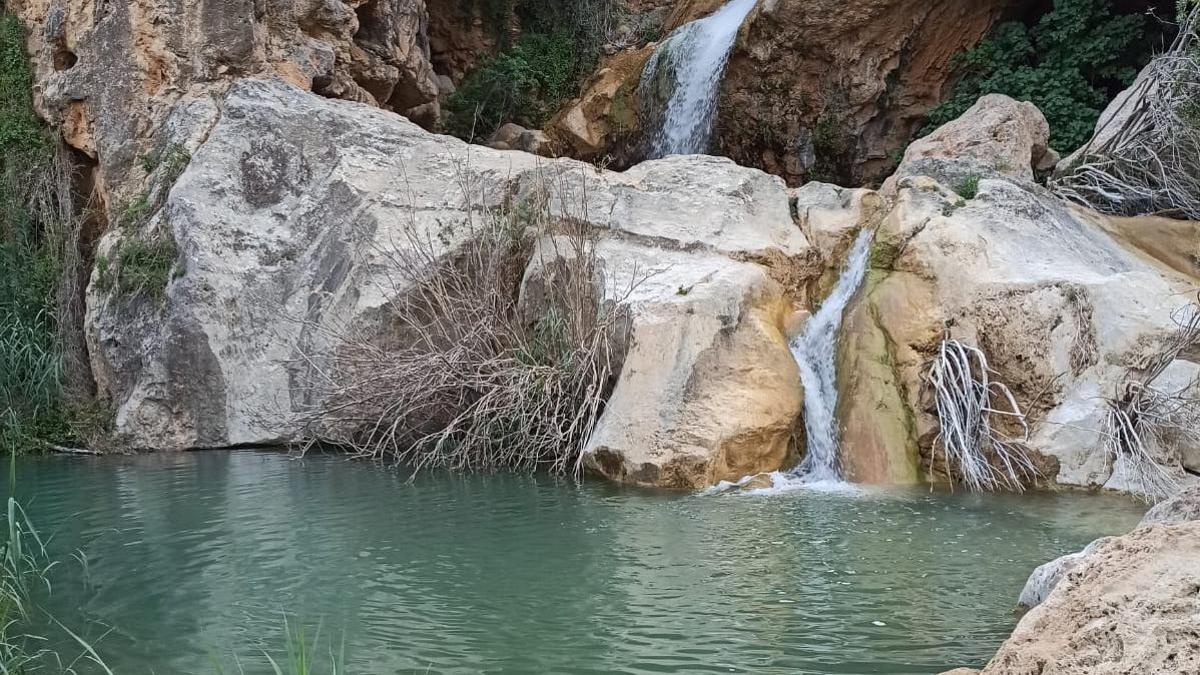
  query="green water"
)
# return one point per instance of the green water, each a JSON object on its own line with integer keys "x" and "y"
{"x": 195, "y": 558}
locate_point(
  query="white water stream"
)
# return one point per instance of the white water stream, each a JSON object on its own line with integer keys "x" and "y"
{"x": 816, "y": 353}
{"x": 694, "y": 57}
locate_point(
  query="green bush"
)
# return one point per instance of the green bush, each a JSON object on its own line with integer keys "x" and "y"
{"x": 139, "y": 264}
{"x": 532, "y": 74}
{"x": 525, "y": 84}
{"x": 1070, "y": 64}
{"x": 968, "y": 187}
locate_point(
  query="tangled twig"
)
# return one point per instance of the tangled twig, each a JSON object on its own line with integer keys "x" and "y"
{"x": 966, "y": 399}
{"x": 1146, "y": 421}
{"x": 1146, "y": 158}
{"x": 469, "y": 375}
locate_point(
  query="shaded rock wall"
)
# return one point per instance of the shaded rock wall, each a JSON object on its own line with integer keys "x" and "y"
{"x": 829, "y": 90}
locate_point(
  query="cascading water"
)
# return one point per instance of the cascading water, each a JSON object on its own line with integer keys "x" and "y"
{"x": 689, "y": 64}
{"x": 816, "y": 353}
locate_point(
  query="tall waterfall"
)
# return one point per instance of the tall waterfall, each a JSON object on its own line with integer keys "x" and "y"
{"x": 691, "y": 63}
{"x": 816, "y": 353}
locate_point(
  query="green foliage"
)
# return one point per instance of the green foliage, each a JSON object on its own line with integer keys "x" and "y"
{"x": 301, "y": 658}
{"x": 532, "y": 75}
{"x": 1069, "y": 64}
{"x": 525, "y": 84}
{"x": 968, "y": 187}
{"x": 139, "y": 264}
{"x": 31, "y": 364}
{"x": 833, "y": 140}
{"x": 21, "y": 134}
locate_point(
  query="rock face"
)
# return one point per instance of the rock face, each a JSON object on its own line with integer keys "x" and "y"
{"x": 109, "y": 73}
{"x": 1046, "y": 577}
{"x": 827, "y": 90}
{"x": 602, "y": 124}
{"x": 974, "y": 251}
{"x": 292, "y": 206}
{"x": 1130, "y": 606}
{"x": 1181, "y": 508}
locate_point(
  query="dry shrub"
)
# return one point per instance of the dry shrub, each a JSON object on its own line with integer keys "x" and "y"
{"x": 1146, "y": 420}
{"x": 1146, "y": 159}
{"x": 967, "y": 398}
{"x": 467, "y": 374}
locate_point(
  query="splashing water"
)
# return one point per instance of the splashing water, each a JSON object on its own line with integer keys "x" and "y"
{"x": 816, "y": 352}
{"x": 693, "y": 60}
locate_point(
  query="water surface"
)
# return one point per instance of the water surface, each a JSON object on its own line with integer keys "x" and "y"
{"x": 195, "y": 558}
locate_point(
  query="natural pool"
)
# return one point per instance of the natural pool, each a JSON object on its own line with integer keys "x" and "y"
{"x": 191, "y": 560}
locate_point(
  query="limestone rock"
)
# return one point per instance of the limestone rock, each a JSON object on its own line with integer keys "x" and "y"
{"x": 1062, "y": 308}
{"x": 831, "y": 216}
{"x": 1130, "y": 606}
{"x": 1046, "y": 577}
{"x": 110, "y": 73}
{"x": 516, "y": 137}
{"x": 998, "y": 134}
{"x": 287, "y": 220}
{"x": 696, "y": 248}
{"x": 1181, "y": 508}
{"x": 603, "y": 121}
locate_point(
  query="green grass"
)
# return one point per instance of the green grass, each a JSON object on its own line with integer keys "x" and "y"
{"x": 139, "y": 264}
{"x": 968, "y": 187}
{"x": 300, "y": 655}
{"x": 31, "y": 247}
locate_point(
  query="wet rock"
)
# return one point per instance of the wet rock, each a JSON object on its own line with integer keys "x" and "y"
{"x": 1046, "y": 577}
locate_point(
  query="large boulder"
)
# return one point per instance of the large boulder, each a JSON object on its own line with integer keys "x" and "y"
{"x": 702, "y": 253}
{"x": 1130, "y": 606}
{"x": 286, "y": 220}
{"x": 974, "y": 251}
{"x": 1181, "y": 508}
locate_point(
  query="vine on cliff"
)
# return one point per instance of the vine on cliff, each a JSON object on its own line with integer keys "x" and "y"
{"x": 1069, "y": 64}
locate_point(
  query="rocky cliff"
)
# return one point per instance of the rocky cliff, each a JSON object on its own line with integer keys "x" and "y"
{"x": 289, "y": 218}
{"x": 1062, "y": 303}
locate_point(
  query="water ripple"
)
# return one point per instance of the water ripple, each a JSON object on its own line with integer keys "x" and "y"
{"x": 196, "y": 557}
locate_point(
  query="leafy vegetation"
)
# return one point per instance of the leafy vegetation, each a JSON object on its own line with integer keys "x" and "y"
{"x": 31, "y": 246}
{"x": 1070, "y": 64}
{"x": 968, "y": 187}
{"x": 524, "y": 84}
{"x": 533, "y": 74}
{"x": 139, "y": 264}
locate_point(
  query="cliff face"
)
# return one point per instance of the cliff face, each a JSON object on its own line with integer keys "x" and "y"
{"x": 108, "y": 72}
{"x": 830, "y": 90}
{"x": 814, "y": 90}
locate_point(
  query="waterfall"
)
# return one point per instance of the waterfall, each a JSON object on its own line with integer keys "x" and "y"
{"x": 816, "y": 353}
{"x": 692, "y": 59}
